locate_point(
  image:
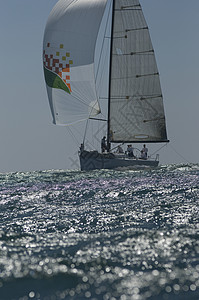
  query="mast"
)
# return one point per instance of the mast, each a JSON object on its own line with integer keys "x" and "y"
{"x": 109, "y": 86}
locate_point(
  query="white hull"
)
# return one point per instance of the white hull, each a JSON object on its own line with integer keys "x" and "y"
{"x": 92, "y": 160}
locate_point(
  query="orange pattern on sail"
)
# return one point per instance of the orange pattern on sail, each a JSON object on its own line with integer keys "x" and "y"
{"x": 59, "y": 65}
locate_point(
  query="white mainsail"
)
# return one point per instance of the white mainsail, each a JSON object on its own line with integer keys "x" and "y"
{"x": 136, "y": 112}
{"x": 68, "y": 56}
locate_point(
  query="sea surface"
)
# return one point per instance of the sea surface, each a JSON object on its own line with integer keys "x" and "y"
{"x": 100, "y": 235}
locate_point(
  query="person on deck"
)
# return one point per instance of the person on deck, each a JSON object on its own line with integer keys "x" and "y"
{"x": 143, "y": 155}
{"x": 130, "y": 151}
{"x": 119, "y": 149}
{"x": 145, "y": 151}
{"x": 103, "y": 144}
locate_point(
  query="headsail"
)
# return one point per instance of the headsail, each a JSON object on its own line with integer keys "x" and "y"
{"x": 136, "y": 107}
{"x": 68, "y": 56}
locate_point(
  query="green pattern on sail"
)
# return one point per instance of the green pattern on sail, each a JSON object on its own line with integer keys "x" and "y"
{"x": 54, "y": 81}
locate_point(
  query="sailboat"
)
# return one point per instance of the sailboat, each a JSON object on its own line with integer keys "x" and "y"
{"x": 76, "y": 34}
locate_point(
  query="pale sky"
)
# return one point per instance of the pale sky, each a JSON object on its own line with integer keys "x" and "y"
{"x": 29, "y": 140}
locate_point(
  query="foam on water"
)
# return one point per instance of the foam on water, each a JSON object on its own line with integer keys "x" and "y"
{"x": 100, "y": 234}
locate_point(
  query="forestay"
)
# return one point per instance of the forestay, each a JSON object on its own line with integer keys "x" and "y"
{"x": 136, "y": 105}
{"x": 68, "y": 56}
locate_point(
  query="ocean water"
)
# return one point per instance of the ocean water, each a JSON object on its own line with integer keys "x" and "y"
{"x": 100, "y": 235}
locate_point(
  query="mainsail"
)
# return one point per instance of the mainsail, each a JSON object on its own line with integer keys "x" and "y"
{"x": 136, "y": 112}
{"x": 68, "y": 57}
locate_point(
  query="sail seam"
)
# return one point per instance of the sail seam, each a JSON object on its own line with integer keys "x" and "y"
{"x": 135, "y": 76}
{"x": 137, "y": 53}
{"x": 152, "y": 120}
{"x": 97, "y": 119}
{"x": 120, "y": 37}
{"x": 136, "y": 29}
{"x": 137, "y": 98}
{"x": 127, "y": 9}
{"x": 144, "y": 75}
{"x": 150, "y": 97}
{"x": 131, "y": 6}
{"x": 140, "y": 141}
{"x": 132, "y": 29}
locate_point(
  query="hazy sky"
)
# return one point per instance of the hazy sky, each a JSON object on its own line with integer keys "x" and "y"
{"x": 29, "y": 140}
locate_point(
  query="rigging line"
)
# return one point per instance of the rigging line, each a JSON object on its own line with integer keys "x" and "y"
{"x": 74, "y": 137}
{"x": 85, "y": 131}
{"x": 72, "y": 134}
{"x": 137, "y": 149}
{"x": 78, "y": 132}
{"x": 180, "y": 154}
{"x": 121, "y": 144}
{"x": 158, "y": 150}
{"x": 103, "y": 115}
{"x": 78, "y": 99}
{"x": 74, "y": 128}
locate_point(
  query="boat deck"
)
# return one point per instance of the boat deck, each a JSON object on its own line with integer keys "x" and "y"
{"x": 91, "y": 160}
